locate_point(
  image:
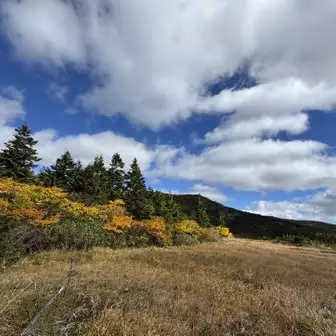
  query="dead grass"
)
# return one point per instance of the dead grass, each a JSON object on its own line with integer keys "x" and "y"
{"x": 236, "y": 288}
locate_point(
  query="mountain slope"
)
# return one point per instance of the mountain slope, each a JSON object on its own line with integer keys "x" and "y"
{"x": 249, "y": 225}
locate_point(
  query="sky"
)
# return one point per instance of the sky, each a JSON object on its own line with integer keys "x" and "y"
{"x": 235, "y": 100}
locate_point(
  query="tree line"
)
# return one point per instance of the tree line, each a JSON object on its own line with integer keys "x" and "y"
{"x": 91, "y": 184}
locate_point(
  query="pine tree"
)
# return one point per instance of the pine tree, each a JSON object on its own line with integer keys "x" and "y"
{"x": 19, "y": 158}
{"x": 116, "y": 178}
{"x": 96, "y": 185}
{"x": 137, "y": 199}
{"x": 202, "y": 215}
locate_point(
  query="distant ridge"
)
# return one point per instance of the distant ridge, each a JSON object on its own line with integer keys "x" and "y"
{"x": 250, "y": 225}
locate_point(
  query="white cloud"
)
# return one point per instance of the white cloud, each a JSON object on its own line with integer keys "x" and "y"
{"x": 44, "y": 31}
{"x": 11, "y": 105}
{"x": 320, "y": 206}
{"x": 57, "y": 91}
{"x": 238, "y": 128}
{"x": 288, "y": 210}
{"x": 253, "y": 164}
{"x": 151, "y": 59}
{"x": 11, "y": 108}
{"x": 85, "y": 147}
{"x": 210, "y": 192}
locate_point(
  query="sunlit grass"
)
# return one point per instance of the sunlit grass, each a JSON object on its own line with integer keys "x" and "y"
{"x": 238, "y": 287}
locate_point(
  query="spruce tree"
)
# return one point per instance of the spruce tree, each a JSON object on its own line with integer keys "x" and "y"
{"x": 63, "y": 171}
{"x": 46, "y": 177}
{"x": 96, "y": 181}
{"x": 77, "y": 183}
{"x": 19, "y": 157}
{"x": 173, "y": 212}
{"x": 166, "y": 207}
{"x": 137, "y": 200}
{"x": 202, "y": 215}
{"x": 116, "y": 178}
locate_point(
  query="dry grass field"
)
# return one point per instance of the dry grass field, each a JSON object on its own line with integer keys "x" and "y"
{"x": 238, "y": 287}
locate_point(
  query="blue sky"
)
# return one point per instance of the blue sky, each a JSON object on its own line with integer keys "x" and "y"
{"x": 233, "y": 100}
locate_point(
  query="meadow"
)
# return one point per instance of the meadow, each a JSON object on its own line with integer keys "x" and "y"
{"x": 234, "y": 287}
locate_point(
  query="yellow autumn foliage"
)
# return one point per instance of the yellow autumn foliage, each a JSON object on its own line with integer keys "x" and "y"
{"x": 188, "y": 226}
{"x": 45, "y": 206}
{"x": 224, "y": 231}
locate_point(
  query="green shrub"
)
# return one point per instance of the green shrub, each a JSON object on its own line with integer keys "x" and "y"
{"x": 208, "y": 235}
{"x": 180, "y": 238}
{"x": 75, "y": 235}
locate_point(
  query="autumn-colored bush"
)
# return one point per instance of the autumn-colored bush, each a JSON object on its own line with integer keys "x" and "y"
{"x": 190, "y": 232}
{"x": 40, "y": 217}
{"x": 35, "y": 218}
{"x": 224, "y": 231}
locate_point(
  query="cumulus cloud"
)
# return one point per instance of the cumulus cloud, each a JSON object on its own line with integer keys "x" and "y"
{"x": 253, "y": 164}
{"x": 288, "y": 210}
{"x": 44, "y": 31}
{"x": 85, "y": 147}
{"x": 210, "y": 192}
{"x": 320, "y": 206}
{"x": 152, "y": 60}
{"x": 240, "y": 128}
{"x": 11, "y": 108}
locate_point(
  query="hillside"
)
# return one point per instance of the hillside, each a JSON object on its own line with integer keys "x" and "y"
{"x": 240, "y": 287}
{"x": 249, "y": 225}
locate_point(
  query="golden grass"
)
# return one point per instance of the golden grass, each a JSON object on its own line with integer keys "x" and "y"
{"x": 239, "y": 287}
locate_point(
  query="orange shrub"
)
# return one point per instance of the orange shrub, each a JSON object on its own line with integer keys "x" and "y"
{"x": 154, "y": 229}
{"x": 119, "y": 224}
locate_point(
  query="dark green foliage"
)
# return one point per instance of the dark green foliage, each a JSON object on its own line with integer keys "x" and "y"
{"x": 96, "y": 181}
{"x": 202, "y": 217}
{"x": 166, "y": 207}
{"x": 65, "y": 174}
{"x": 116, "y": 178}
{"x": 74, "y": 235}
{"x": 180, "y": 239}
{"x": 46, "y": 177}
{"x": 138, "y": 201}
{"x": 63, "y": 171}
{"x": 249, "y": 225}
{"x": 19, "y": 158}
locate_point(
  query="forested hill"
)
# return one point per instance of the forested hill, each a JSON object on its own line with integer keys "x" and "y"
{"x": 251, "y": 225}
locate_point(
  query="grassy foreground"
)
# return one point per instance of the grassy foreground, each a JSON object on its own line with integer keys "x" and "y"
{"x": 238, "y": 287}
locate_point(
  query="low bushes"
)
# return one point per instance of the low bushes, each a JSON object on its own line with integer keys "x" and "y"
{"x": 35, "y": 218}
{"x": 188, "y": 232}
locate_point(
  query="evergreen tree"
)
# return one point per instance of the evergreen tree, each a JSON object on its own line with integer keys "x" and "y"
{"x": 166, "y": 207}
{"x": 173, "y": 212}
{"x": 46, "y": 177}
{"x": 77, "y": 183}
{"x": 116, "y": 178}
{"x": 201, "y": 214}
{"x": 19, "y": 158}
{"x": 137, "y": 199}
{"x": 63, "y": 171}
{"x": 159, "y": 202}
{"x": 96, "y": 177}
